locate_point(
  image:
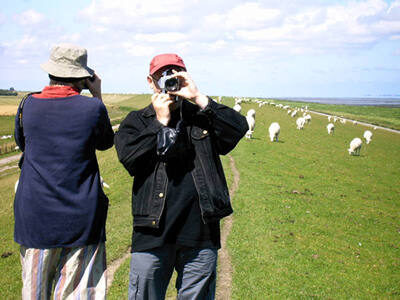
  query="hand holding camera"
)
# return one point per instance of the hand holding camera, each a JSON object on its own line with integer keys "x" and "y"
{"x": 93, "y": 84}
{"x": 181, "y": 84}
{"x": 161, "y": 103}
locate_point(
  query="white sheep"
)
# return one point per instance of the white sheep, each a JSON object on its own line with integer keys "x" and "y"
{"x": 355, "y": 146}
{"x": 307, "y": 117}
{"x": 103, "y": 183}
{"x": 300, "y": 122}
{"x": 355, "y": 122}
{"x": 367, "y": 136}
{"x": 237, "y": 107}
{"x": 331, "y": 128}
{"x": 251, "y": 121}
{"x": 294, "y": 113}
{"x": 334, "y": 119}
{"x": 274, "y": 130}
{"x": 289, "y": 111}
{"x": 329, "y": 118}
{"x": 343, "y": 121}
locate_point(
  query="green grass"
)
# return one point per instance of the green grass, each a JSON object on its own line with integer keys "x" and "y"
{"x": 310, "y": 220}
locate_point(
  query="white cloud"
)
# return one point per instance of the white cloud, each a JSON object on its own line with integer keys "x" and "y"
{"x": 137, "y": 50}
{"x": 29, "y": 18}
{"x": 162, "y": 37}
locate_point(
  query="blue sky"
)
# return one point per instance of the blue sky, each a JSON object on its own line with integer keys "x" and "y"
{"x": 270, "y": 48}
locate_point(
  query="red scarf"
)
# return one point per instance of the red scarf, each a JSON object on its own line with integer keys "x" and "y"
{"x": 57, "y": 91}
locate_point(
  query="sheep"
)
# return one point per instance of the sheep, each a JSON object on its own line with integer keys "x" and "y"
{"x": 274, "y": 130}
{"x": 300, "y": 122}
{"x": 289, "y": 111}
{"x": 334, "y": 119}
{"x": 219, "y": 99}
{"x": 103, "y": 183}
{"x": 331, "y": 128}
{"x": 251, "y": 121}
{"x": 355, "y": 146}
{"x": 355, "y": 122}
{"x": 294, "y": 113}
{"x": 307, "y": 118}
{"x": 329, "y": 118}
{"x": 237, "y": 107}
{"x": 375, "y": 128}
{"x": 343, "y": 121}
{"x": 368, "y": 136}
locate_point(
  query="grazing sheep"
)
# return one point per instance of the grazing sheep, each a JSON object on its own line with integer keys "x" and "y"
{"x": 251, "y": 121}
{"x": 289, "y": 111}
{"x": 219, "y": 99}
{"x": 103, "y": 183}
{"x": 343, "y": 121}
{"x": 274, "y": 130}
{"x": 238, "y": 100}
{"x": 367, "y": 136}
{"x": 331, "y": 128}
{"x": 307, "y": 118}
{"x": 300, "y": 123}
{"x": 329, "y": 118}
{"x": 334, "y": 119}
{"x": 237, "y": 107}
{"x": 294, "y": 113}
{"x": 355, "y": 146}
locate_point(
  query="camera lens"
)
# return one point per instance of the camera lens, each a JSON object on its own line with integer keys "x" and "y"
{"x": 172, "y": 84}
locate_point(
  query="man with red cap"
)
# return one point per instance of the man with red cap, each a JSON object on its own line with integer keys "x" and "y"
{"x": 179, "y": 194}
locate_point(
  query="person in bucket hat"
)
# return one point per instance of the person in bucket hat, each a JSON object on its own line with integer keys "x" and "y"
{"x": 179, "y": 194}
{"x": 60, "y": 208}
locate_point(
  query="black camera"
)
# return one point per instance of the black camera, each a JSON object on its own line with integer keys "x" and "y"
{"x": 167, "y": 83}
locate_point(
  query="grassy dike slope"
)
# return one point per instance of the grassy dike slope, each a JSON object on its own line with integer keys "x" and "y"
{"x": 312, "y": 221}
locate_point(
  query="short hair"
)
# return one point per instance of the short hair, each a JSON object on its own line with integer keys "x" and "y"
{"x": 69, "y": 81}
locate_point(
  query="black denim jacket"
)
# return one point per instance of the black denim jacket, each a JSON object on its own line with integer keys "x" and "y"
{"x": 213, "y": 131}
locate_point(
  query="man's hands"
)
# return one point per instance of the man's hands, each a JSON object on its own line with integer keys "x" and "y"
{"x": 94, "y": 86}
{"x": 161, "y": 104}
{"x": 189, "y": 89}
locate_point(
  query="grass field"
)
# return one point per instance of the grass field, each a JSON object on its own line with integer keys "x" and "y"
{"x": 310, "y": 220}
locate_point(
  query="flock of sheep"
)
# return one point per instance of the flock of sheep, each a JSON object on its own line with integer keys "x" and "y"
{"x": 274, "y": 128}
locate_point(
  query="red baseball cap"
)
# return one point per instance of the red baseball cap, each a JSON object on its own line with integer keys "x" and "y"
{"x": 162, "y": 60}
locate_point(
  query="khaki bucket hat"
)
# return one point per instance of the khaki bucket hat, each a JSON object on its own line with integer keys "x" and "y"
{"x": 67, "y": 61}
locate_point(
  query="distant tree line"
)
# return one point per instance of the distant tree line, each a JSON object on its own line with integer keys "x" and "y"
{"x": 10, "y": 92}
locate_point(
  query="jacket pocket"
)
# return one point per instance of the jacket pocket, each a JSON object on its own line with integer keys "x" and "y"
{"x": 199, "y": 134}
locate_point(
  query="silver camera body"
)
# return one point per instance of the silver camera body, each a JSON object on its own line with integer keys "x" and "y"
{"x": 168, "y": 83}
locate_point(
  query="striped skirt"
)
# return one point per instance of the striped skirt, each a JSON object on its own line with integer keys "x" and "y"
{"x": 72, "y": 273}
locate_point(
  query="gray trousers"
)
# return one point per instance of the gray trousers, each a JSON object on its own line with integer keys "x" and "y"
{"x": 151, "y": 272}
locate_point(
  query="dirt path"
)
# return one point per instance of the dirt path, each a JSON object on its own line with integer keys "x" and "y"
{"x": 10, "y": 159}
{"x": 114, "y": 266}
{"x": 224, "y": 282}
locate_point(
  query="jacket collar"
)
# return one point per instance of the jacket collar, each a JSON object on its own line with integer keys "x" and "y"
{"x": 149, "y": 111}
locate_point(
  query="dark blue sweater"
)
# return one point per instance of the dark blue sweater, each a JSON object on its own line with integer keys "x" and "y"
{"x": 59, "y": 201}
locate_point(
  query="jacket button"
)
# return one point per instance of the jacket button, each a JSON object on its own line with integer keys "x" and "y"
{"x": 160, "y": 195}
{"x": 153, "y": 223}
{"x": 205, "y": 131}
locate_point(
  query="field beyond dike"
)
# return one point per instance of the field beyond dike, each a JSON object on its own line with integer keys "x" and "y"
{"x": 310, "y": 221}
